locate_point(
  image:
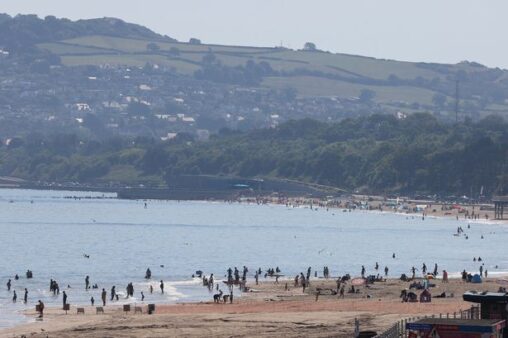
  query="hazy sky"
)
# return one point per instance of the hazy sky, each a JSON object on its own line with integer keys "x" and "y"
{"x": 425, "y": 30}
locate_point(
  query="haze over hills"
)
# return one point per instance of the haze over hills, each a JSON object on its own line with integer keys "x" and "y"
{"x": 111, "y": 103}
{"x": 104, "y": 76}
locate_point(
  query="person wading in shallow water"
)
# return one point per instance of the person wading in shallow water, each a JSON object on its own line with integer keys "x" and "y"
{"x": 64, "y": 299}
{"x": 103, "y": 297}
{"x": 162, "y": 286}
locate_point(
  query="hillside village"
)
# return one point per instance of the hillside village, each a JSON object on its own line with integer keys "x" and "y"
{"x": 152, "y": 86}
{"x": 149, "y": 101}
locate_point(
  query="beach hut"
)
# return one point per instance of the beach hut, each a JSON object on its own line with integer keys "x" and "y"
{"x": 425, "y": 296}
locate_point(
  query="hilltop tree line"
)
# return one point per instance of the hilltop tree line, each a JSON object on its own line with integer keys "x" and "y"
{"x": 377, "y": 154}
{"x": 21, "y": 32}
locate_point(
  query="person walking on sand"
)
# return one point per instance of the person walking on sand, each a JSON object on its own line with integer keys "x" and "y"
{"x": 25, "y": 297}
{"x": 64, "y": 299}
{"x": 14, "y": 297}
{"x": 103, "y": 297}
{"x": 162, "y": 287}
{"x": 41, "y": 309}
{"x": 113, "y": 293}
{"x": 9, "y": 285}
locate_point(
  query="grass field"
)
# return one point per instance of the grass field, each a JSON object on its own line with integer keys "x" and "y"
{"x": 101, "y": 50}
{"x": 308, "y": 86}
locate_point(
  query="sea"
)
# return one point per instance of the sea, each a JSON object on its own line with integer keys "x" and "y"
{"x": 67, "y": 235}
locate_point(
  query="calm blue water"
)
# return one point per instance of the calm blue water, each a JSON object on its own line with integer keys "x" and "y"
{"x": 48, "y": 234}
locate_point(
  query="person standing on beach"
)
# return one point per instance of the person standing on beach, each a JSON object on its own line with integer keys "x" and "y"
{"x": 386, "y": 271}
{"x": 64, "y": 299}
{"x": 14, "y": 297}
{"x": 41, "y": 309}
{"x": 481, "y": 270}
{"x": 162, "y": 287}
{"x": 87, "y": 282}
{"x": 445, "y": 276}
{"x": 363, "y": 271}
{"x": 9, "y": 285}
{"x": 435, "y": 269}
{"x": 103, "y": 296}
{"x": 92, "y": 300}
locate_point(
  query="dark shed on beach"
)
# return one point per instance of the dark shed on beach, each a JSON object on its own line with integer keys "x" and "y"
{"x": 493, "y": 305}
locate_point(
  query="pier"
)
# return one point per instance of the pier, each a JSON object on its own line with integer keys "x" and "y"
{"x": 500, "y": 202}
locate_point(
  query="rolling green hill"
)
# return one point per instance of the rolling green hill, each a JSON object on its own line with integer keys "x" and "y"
{"x": 375, "y": 84}
{"x": 412, "y": 86}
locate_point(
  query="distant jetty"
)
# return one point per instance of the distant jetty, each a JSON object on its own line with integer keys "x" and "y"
{"x": 193, "y": 187}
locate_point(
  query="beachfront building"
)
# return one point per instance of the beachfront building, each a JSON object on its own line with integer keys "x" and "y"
{"x": 456, "y": 328}
{"x": 493, "y": 305}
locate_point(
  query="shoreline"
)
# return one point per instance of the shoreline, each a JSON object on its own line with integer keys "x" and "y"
{"x": 377, "y": 306}
{"x": 371, "y": 201}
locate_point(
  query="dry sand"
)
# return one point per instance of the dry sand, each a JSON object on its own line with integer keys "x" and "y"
{"x": 270, "y": 311}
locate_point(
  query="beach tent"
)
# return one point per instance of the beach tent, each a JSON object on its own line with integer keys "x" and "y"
{"x": 476, "y": 279}
{"x": 425, "y": 296}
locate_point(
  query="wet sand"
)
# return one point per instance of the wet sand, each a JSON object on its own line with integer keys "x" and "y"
{"x": 267, "y": 312}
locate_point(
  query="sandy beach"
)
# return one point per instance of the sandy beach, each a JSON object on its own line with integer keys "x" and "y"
{"x": 477, "y": 213}
{"x": 269, "y": 311}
